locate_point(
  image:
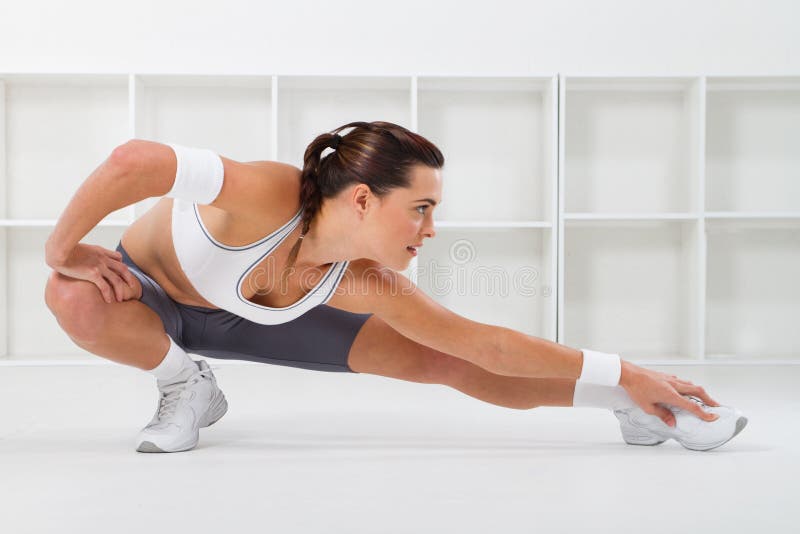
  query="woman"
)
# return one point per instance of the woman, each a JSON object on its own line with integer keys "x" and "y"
{"x": 214, "y": 268}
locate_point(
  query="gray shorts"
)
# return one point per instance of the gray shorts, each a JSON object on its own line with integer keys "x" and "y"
{"x": 319, "y": 340}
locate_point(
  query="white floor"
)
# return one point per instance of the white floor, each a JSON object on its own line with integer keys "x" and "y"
{"x": 307, "y": 451}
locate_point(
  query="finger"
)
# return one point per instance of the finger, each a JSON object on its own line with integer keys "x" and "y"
{"x": 664, "y": 414}
{"x": 696, "y": 391}
{"x": 700, "y": 393}
{"x": 116, "y": 283}
{"x": 676, "y": 378}
{"x": 693, "y": 407}
{"x": 683, "y": 382}
{"x": 103, "y": 286}
{"x": 123, "y": 270}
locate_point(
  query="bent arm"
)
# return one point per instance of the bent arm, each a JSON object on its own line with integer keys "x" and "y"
{"x": 499, "y": 350}
{"x": 134, "y": 171}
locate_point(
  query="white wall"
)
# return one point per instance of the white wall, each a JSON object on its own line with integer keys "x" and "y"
{"x": 403, "y": 37}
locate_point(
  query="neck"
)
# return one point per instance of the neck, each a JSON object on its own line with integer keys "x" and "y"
{"x": 330, "y": 238}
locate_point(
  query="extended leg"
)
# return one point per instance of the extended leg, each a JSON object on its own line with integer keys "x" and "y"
{"x": 379, "y": 349}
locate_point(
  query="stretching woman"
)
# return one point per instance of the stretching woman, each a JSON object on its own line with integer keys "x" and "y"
{"x": 215, "y": 269}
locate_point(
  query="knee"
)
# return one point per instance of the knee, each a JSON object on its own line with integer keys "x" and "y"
{"x": 76, "y": 304}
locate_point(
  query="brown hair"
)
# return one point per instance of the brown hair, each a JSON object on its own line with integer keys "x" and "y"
{"x": 378, "y": 154}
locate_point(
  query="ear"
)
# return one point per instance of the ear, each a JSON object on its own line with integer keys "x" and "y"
{"x": 362, "y": 198}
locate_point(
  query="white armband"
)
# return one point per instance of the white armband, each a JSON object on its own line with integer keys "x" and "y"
{"x": 600, "y": 368}
{"x": 199, "y": 176}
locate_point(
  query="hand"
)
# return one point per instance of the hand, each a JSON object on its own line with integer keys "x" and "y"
{"x": 102, "y": 267}
{"x": 651, "y": 390}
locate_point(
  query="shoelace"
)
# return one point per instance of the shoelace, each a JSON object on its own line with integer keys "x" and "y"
{"x": 697, "y": 400}
{"x": 171, "y": 394}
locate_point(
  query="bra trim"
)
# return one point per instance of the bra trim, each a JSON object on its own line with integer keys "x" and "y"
{"x": 336, "y": 265}
{"x": 249, "y": 245}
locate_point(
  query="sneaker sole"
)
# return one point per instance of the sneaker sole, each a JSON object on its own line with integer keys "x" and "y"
{"x": 149, "y": 446}
{"x": 642, "y": 440}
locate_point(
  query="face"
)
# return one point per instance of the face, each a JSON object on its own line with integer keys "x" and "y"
{"x": 403, "y": 219}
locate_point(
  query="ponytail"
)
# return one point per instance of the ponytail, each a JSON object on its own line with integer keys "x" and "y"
{"x": 310, "y": 192}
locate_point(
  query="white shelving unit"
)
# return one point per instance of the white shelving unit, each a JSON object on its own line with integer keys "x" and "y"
{"x": 494, "y": 258}
{"x": 656, "y": 217}
{"x": 680, "y": 217}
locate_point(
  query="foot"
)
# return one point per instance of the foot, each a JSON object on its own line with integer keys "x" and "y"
{"x": 640, "y": 428}
{"x": 183, "y": 408}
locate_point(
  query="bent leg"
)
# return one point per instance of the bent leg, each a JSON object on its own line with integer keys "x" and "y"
{"x": 127, "y": 332}
{"x": 380, "y": 350}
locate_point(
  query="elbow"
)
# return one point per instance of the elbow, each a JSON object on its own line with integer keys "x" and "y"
{"x": 127, "y": 157}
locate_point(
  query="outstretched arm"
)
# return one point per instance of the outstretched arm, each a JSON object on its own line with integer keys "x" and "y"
{"x": 505, "y": 351}
{"x": 499, "y": 350}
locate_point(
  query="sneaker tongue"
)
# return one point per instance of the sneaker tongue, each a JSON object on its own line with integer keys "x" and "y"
{"x": 183, "y": 376}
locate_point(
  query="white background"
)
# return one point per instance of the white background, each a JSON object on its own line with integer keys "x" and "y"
{"x": 407, "y": 36}
{"x": 330, "y": 452}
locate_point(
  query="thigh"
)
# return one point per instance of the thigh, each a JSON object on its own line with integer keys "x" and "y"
{"x": 153, "y": 296}
{"x": 319, "y": 340}
{"x": 381, "y": 350}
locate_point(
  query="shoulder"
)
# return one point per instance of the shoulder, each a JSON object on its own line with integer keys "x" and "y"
{"x": 406, "y": 308}
{"x": 357, "y": 290}
{"x": 375, "y": 288}
{"x": 254, "y": 188}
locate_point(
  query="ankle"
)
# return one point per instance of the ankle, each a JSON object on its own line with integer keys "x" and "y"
{"x": 175, "y": 366}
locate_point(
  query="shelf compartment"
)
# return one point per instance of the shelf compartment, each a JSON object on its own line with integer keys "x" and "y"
{"x": 630, "y": 144}
{"x": 311, "y": 105}
{"x": 631, "y": 287}
{"x": 753, "y": 289}
{"x": 231, "y": 115}
{"x": 228, "y": 114}
{"x": 495, "y": 276}
{"x": 31, "y": 330}
{"x": 59, "y": 129}
{"x": 753, "y": 144}
{"x": 499, "y": 137}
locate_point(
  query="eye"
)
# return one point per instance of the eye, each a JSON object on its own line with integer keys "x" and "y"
{"x": 422, "y": 208}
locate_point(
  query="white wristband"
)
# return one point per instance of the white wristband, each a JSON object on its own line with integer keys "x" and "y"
{"x": 600, "y": 368}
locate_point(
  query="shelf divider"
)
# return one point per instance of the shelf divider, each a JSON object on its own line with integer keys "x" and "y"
{"x": 560, "y": 212}
{"x": 700, "y": 130}
{"x": 3, "y": 230}
{"x": 132, "y": 129}
{"x": 273, "y": 126}
{"x": 413, "y": 268}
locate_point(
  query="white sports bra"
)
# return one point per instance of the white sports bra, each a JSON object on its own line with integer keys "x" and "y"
{"x": 217, "y": 270}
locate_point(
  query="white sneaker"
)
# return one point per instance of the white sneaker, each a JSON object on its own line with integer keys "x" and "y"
{"x": 641, "y": 428}
{"x": 183, "y": 408}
